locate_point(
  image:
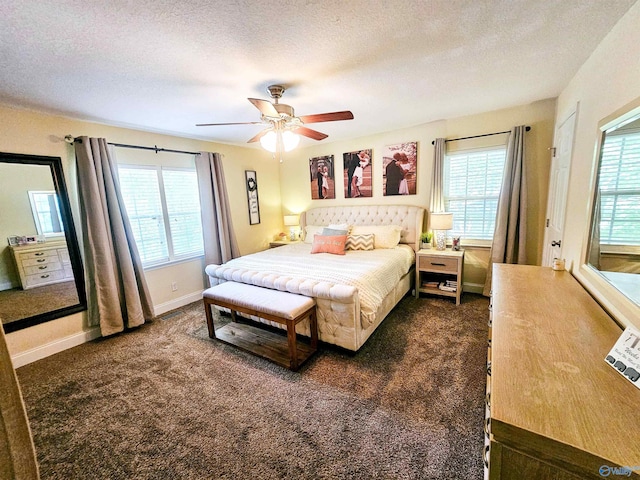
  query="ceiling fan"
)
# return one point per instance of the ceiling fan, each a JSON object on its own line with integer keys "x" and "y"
{"x": 281, "y": 123}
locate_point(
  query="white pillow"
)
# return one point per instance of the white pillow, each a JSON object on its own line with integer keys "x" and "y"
{"x": 386, "y": 236}
{"x": 310, "y": 231}
{"x": 340, "y": 226}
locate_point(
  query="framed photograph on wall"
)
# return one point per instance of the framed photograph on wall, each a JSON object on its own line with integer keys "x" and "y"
{"x": 399, "y": 166}
{"x": 252, "y": 196}
{"x": 357, "y": 173}
{"x": 321, "y": 176}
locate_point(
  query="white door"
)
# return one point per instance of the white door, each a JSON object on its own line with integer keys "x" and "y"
{"x": 558, "y": 189}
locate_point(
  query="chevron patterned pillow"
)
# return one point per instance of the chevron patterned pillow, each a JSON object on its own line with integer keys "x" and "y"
{"x": 360, "y": 242}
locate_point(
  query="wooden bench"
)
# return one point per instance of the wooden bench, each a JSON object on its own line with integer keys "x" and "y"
{"x": 281, "y": 307}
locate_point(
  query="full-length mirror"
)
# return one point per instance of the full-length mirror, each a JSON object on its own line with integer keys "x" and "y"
{"x": 614, "y": 246}
{"x": 41, "y": 275}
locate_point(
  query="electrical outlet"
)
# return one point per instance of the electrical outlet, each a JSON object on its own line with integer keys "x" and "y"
{"x": 174, "y": 286}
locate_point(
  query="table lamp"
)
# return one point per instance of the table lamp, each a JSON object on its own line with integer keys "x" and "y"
{"x": 292, "y": 221}
{"x": 440, "y": 223}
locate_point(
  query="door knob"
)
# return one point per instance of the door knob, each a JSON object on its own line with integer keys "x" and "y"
{"x": 556, "y": 243}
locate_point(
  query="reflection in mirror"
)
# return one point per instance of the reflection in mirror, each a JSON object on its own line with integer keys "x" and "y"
{"x": 46, "y": 213}
{"x": 614, "y": 247}
{"x": 41, "y": 275}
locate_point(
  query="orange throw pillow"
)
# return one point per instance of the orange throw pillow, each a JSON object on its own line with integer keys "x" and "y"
{"x": 334, "y": 244}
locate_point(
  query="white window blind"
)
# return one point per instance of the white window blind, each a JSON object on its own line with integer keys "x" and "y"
{"x": 472, "y": 181}
{"x": 164, "y": 211}
{"x": 619, "y": 184}
{"x": 183, "y": 209}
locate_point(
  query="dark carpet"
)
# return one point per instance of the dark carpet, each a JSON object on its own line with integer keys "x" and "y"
{"x": 17, "y": 303}
{"x": 166, "y": 402}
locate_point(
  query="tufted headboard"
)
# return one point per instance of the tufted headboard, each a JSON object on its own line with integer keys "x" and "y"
{"x": 409, "y": 217}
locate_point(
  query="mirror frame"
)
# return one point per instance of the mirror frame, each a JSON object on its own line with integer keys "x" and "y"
{"x": 57, "y": 175}
{"x": 620, "y": 307}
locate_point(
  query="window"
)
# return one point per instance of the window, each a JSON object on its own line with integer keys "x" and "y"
{"x": 46, "y": 212}
{"x": 472, "y": 181}
{"x": 619, "y": 184}
{"x": 163, "y": 206}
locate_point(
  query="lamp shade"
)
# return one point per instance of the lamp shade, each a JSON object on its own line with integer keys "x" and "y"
{"x": 290, "y": 140}
{"x": 291, "y": 220}
{"x": 441, "y": 221}
{"x": 269, "y": 140}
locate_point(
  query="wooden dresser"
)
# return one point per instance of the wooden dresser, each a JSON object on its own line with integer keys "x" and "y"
{"x": 42, "y": 263}
{"x": 555, "y": 408}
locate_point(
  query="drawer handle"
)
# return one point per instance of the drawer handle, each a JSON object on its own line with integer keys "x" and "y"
{"x": 487, "y": 427}
{"x": 487, "y": 399}
{"x": 39, "y": 254}
{"x": 40, "y": 260}
{"x": 485, "y": 456}
{"x": 438, "y": 264}
{"x": 44, "y": 276}
{"x": 489, "y": 368}
{"x": 42, "y": 267}
{"x": 490, "y": 322}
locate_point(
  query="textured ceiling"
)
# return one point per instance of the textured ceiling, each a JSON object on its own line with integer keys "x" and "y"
{"x": 164, "y": 66}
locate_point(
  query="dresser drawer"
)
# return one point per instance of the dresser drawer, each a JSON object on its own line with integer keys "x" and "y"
{"x": 39, "y": 254}
{"x": 439, "y": 264}
{"x": 32, "y": 262}
{"x": 43, "y": 278}
{"x": 63, "y": 253}
{"x": 44, "y": 268}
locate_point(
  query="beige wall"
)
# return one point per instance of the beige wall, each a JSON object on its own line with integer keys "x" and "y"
{"x": 607, "y": 81}
{"x": 39, "y": 134}
{"x": 294, "y": 173}
{"x": 283, "y": 188}
{"x": 16, "y": 217}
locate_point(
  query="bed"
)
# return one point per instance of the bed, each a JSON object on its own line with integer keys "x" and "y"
{"x": 354, "y": 292}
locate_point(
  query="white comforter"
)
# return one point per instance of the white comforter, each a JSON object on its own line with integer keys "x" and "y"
{"x": 372, "y": 273}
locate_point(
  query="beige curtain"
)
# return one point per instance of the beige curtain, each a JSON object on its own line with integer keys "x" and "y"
{"x": 118, "y": 297}
{"x": 17, "y": 453}
{"x": 510, "y": 233}
{"x": 220, "y": 244}
{"x": 437, "y": 190}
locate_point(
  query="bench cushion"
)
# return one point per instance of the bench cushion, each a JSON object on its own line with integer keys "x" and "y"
{"x": 274, "y": 302}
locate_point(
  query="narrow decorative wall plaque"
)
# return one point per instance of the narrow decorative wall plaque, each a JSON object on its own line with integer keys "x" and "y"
{"x": 252, "y": 196}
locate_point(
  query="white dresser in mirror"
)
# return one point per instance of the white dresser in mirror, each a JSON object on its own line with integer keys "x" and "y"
{"x": 42, "y": 263}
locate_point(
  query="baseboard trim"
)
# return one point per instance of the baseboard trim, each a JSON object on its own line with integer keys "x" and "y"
{"x": 177, "y": 303}
{"x": 57, "y": 346}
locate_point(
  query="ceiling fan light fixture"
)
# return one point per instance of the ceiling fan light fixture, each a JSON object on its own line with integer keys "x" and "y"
{"x": 290, "y": 140}
{"x": 269, "y": 140}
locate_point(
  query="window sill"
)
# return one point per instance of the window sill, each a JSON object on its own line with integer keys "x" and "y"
{"x": 475, "y": 244}
{"x": 156, "y": 266}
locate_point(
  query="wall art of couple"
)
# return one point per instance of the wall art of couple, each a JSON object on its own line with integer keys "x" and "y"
{"x": 357, "y": 174}
{"x": 399, "y": 167}
{"x": 321, "y": 175}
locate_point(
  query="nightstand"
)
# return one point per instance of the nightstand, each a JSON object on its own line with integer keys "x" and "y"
{"x": 439, "y": 272}
{"x": 279, "y": 243}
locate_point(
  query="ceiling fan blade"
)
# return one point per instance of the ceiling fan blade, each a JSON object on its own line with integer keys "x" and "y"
{"x": 327, "y": 117}
{"x": 258, "y": 136}
{"x": 232, "y": 123}
{"x": 265, "y": 107}
{"x": 307, "y": 132}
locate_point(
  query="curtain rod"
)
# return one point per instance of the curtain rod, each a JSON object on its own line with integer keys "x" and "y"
{"x": 478, "y": 136}
{"x": 72, "y": 139}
